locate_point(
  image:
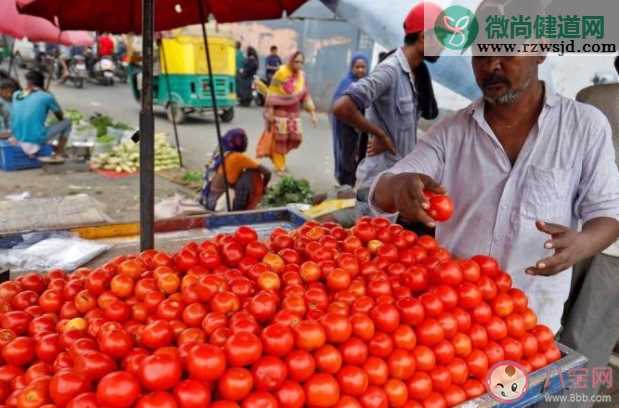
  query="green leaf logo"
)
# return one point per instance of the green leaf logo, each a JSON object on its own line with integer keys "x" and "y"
{"x": 456, "y": 28}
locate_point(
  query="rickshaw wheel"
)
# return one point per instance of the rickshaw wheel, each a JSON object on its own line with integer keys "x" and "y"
{"x": 227, "y": 115}
{"x": 176, "y": 112}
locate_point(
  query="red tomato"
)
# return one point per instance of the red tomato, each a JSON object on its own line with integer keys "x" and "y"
{"x": 473, "y": 388}
{"x": 513, "y": 349}
{"x": 520, "y": 300}
{"x": 444, "y": 352}
{"x": 277, "y": 339}
{"x": 404, "y": 337}
{"x": 386, "y": 317}
{"x": 118, "y": 390}
{"x": 235, "y": 384}
{"x": 401, "y": 364}
{"x": 291, "y": 394}
{"x": 503, "y": 305}
{"x": 397, "y": 393}
{"x": 419, "y": 386}
{"x": 157, "y": 334}
{"x": 192, "y": 394}
{"x": 354, "y": 351}
{"x": 477, "y": 362}
{"x": 462, "y": 345}
{"x": 243, "y": 349}
{"x": 545, "y": 338}
{"x": 424, "y": 358}
{"x": 381, "y": 345}
{"x": 84, "y": 400}
{"x": 19, "y": 351}
{"x": 352, "y": 380}
{"x": 160, "y": 372}
{"x": 377, "y": 370}
{"x": 552, "y": 354}
{"x": 301, "y": 365}
{"x": 309, "y": 335}
{"x": 515, "y": 325}
{"x": 469, "y": 295}
{"x": 432, "y": 304}
{"x": 487, "y": 264}
{"x": 482, "y": 314}
{"x": 530, "y": 319}
{"x": 269, "y": 373}
{"x": 496, "y": 328}
{"x": 463, "y": 318}
{"x": 494, "y": 352}
{"x": 157, "y": 400}
{"x": 430, "y": 332}
{"x": 411, "y": 311}
{"x": 441, "y": 379}
{"x": 458, "y": 370}
{"x": 470, "y": 270}
{"x": 479, "y": 336}
{"x": 322, "y": 390}
{"x": 338, "y": 328}
{"x": 529, "y": 345}
{"x": 441, "y": 206}
{"x": 374, "y": 397}
{"x": 205, "y": 362}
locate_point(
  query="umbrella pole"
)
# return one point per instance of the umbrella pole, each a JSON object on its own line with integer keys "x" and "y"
{"x": 12, "y": 60}
{"x": 172, "y": 105}
{"x": 202, "y": 12}
{"x": 147, "y": 132}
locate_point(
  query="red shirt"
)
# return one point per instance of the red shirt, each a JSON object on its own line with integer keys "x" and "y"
{"x": 106, "y": 46}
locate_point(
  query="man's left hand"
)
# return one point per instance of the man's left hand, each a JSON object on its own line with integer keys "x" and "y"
{"x": 570, "y": 247}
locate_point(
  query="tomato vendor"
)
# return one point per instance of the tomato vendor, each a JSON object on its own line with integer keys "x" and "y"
{"x": 524, "y": 166}
{"x": 390, "y": 96}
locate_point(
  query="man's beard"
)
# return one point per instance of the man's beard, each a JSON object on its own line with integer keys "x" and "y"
{"x": 509, "y": 97}
{"x": 431, "y": 58}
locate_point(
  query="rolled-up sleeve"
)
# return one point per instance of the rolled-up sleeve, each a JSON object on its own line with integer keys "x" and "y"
{"x": 365, "y": 91}
{"x": 428, "y": 157}
{"x": 598, "y": 189}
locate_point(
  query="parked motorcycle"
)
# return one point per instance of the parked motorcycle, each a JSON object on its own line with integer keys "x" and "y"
{"x": 78, "y": 73}
{"x": 103, "y": 71}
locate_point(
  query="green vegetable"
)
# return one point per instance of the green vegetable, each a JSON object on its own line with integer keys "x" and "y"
{"x": 192, "y": 176}
{"x": 288, "y": 191}
{"x": 101, "y": 123}
{"x": 106, "y": 139}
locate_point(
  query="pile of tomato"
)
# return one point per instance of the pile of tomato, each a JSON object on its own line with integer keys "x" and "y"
{"x": 373, "y": 316}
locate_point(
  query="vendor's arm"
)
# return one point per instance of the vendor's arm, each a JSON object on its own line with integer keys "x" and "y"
{"x": 360, "y": 97}
{"x": 400, "y": 189}
{"x": 55, "y": 107}
{"x": 266, "y": 173}
{"x": 597, "y": 206}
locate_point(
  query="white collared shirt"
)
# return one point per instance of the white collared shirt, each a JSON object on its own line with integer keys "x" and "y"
{"x": 565, "y": 173}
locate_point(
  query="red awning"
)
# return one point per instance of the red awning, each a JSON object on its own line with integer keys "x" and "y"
{"x": 126, "y": 16}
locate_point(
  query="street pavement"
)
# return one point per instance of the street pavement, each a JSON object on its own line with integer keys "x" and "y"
{"x": 313, "y": 160}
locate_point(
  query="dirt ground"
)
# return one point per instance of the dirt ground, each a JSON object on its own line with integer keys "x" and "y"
{"x": 119, "y": 196}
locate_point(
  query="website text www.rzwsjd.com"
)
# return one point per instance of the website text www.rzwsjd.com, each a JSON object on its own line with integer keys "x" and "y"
{"x": 563, "y": 47}
{"x": 577, "y": 398}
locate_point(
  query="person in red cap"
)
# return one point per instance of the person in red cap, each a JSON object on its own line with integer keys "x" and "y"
{"x": 393, "y": 97}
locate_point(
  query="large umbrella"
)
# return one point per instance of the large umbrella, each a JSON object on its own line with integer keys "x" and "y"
{"x": 146, "y": 16}
{"x": 36, "y": 29}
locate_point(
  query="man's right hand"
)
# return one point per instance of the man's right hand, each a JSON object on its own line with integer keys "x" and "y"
{"x": 406, "y": 190}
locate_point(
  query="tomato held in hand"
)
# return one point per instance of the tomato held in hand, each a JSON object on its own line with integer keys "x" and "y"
{"x": 441, "y": 206}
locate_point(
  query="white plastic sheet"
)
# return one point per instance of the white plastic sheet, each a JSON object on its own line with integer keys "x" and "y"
{"x": 62, "y": 252}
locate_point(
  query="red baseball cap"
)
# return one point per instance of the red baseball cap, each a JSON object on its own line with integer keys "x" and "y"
{"x": 422, "y": 17}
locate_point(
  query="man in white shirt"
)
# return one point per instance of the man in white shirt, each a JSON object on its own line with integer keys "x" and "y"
{"x": 524, "y": 166}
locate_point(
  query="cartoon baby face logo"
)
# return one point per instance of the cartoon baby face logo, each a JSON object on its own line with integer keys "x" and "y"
{"x": 507, "y": 381}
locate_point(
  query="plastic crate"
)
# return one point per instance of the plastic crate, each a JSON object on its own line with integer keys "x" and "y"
{"x": 13, "y": 158}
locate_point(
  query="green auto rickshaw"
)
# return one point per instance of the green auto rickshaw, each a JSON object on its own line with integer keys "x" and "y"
{"x": 181, "y": 82}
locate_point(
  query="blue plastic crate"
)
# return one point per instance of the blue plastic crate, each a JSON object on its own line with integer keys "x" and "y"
{"x": 13, "y": 157}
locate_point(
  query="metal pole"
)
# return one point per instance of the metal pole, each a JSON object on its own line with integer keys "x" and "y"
{"x": 172, "y": 104}
{"x": 147, "y": 132}
{"x": 202, "y": 12}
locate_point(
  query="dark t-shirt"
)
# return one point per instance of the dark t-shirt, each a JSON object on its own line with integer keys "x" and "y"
{"x": 274, "y": 61}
